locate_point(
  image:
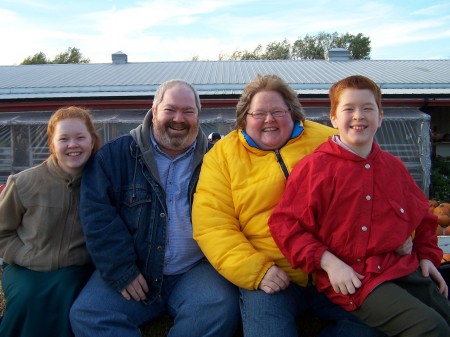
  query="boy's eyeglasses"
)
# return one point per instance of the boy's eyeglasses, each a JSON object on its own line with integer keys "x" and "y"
{"x": 262, "y": 114}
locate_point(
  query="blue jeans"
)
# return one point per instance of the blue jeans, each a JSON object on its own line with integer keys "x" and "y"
{"x": 201, "y": 301}
{"x": 274, "y": 315}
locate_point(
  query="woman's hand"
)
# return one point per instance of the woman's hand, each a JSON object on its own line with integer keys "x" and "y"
{"x": 274, "y": 280}
{"x": 406, "y": 247}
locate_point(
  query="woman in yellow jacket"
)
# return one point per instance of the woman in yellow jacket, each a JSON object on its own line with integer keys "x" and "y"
{"x": 242, "y": 179}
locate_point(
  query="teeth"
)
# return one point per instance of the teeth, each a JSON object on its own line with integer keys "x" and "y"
{"x": 270, "y": 129}
{"x": 73, "y": 154}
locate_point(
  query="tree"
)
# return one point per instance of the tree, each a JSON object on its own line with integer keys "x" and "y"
{"x": 71, "y": 55}
{"x": 278, "y": 50}
{"x": 311, "y": 47}
{"x": 273, "y": 51}
{"x": 256, "y": 54}
{"x": 316, "y": 47}
{"x": 359, "y": 47}
{"x": 38, "y": 58}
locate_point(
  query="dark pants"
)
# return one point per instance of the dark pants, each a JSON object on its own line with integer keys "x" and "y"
{"x": 408, "y": 306}
{"x": 274, "y": 315}
{"x": 38, "y": 303}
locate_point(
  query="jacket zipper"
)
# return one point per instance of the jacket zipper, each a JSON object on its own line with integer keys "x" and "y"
{"x": 282, "y": 164}
{"x": 286, "y": 174}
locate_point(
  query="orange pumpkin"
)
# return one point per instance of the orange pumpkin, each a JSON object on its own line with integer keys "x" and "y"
{"x": 441, "y": 210}
{"x": 433, "y": 203}
{"x": 446, "y": 204}
{"x": 444, "y": 221}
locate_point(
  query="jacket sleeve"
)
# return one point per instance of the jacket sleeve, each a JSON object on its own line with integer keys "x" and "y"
{"x": 216, "y": 226}
{"x": 293, "y": 223}
{"x": 425, "y": 239}
{"x": 11, "y": 213}
{"x": 108, "y": 240}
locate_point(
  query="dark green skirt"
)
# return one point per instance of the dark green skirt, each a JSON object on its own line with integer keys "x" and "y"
{"x": 38, "y": 303}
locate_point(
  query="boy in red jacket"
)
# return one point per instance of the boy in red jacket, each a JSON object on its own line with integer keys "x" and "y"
{"x": 345, "y": 210}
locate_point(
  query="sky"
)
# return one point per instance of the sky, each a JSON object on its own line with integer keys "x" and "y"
{"x": 170, "y": 30}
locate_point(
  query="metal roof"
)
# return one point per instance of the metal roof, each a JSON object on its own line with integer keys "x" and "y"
{"x": 215, "y": 78}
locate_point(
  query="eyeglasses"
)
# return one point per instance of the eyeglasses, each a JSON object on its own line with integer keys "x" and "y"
{"x": 258, "y": 114}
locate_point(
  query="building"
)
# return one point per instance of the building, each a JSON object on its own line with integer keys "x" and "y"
{"x": 416, "y": 97}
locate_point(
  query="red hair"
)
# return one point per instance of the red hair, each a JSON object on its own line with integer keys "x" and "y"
{"x": 353, "y": 82}
{"x": 72, "y": 112}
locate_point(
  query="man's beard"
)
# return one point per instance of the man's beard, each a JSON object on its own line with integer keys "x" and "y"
{"x": 165, "y": 137}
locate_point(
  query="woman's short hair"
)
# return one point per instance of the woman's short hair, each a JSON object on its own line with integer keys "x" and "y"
{"x": 268, "y": 83}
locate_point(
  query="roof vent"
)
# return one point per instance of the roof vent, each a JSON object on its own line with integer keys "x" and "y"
{"x": 338, "y": 54}
{"x": 119, "y": 58}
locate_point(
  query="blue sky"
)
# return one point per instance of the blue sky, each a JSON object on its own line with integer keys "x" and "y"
{"x": 168, "y": 30}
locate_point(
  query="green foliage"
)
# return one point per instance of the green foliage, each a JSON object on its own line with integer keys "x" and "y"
{"x": 71, "y": 55}
{"x": 248, "y": 55}
{"x": 38, "y": 58}
{"x": 310, "y": 47}
{"x": 359, "y": 47}
{"x": 315, "y": 47}
{"x": 278, "y": 50}
{"x": 440, "y": 181}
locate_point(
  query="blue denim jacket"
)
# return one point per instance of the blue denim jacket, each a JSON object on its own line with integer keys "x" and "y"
{"x": 123, "y": 210}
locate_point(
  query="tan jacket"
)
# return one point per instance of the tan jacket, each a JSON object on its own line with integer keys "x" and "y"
{"x": 39, "y": 223}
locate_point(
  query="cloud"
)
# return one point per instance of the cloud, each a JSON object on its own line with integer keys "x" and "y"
{"x": 167, "y": 30}
{"x": 433, "y": 10}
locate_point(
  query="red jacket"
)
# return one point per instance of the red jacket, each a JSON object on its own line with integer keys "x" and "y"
{"x": 360, "y": 210}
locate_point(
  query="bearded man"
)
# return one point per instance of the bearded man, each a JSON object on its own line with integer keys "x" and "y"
{"x": 135, "y": 209}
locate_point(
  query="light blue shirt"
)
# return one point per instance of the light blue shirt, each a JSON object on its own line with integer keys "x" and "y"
{"x": 182, "y": 251}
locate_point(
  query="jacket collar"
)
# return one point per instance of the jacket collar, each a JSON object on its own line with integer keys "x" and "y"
{"x": 141, "y": 136}
{"x": 332, "y": 148}
{"x": 56, "y": 171}
{"x": 296, "y": 132}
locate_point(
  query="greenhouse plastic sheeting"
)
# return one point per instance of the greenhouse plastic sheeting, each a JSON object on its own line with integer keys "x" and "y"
{"x": 405, "y": 132}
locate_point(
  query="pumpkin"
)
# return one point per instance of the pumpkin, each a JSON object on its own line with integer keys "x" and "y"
{"x": 433, "y": 203}
{"x": 441, "y": 210}
{"x": 444, "y": 221}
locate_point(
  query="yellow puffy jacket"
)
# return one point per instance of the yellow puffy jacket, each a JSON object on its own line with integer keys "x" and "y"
{"x": 239, "y": 186}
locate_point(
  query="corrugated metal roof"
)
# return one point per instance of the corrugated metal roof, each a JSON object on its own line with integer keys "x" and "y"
{"x": 396, "y": 77}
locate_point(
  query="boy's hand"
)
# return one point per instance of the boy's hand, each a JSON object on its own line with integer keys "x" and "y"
{"x": 342, "y": 277}
{"x": 406, "y": 247}
{"x": 429, "y": 270}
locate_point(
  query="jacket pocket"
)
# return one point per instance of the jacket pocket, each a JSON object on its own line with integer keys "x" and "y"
{"x": 135, "y": 207}
{"x": 399, "y": 211}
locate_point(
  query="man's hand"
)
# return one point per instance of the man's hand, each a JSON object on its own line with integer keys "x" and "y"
{"x": 275, "y": 280}
{"x": 137, "y": 289}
